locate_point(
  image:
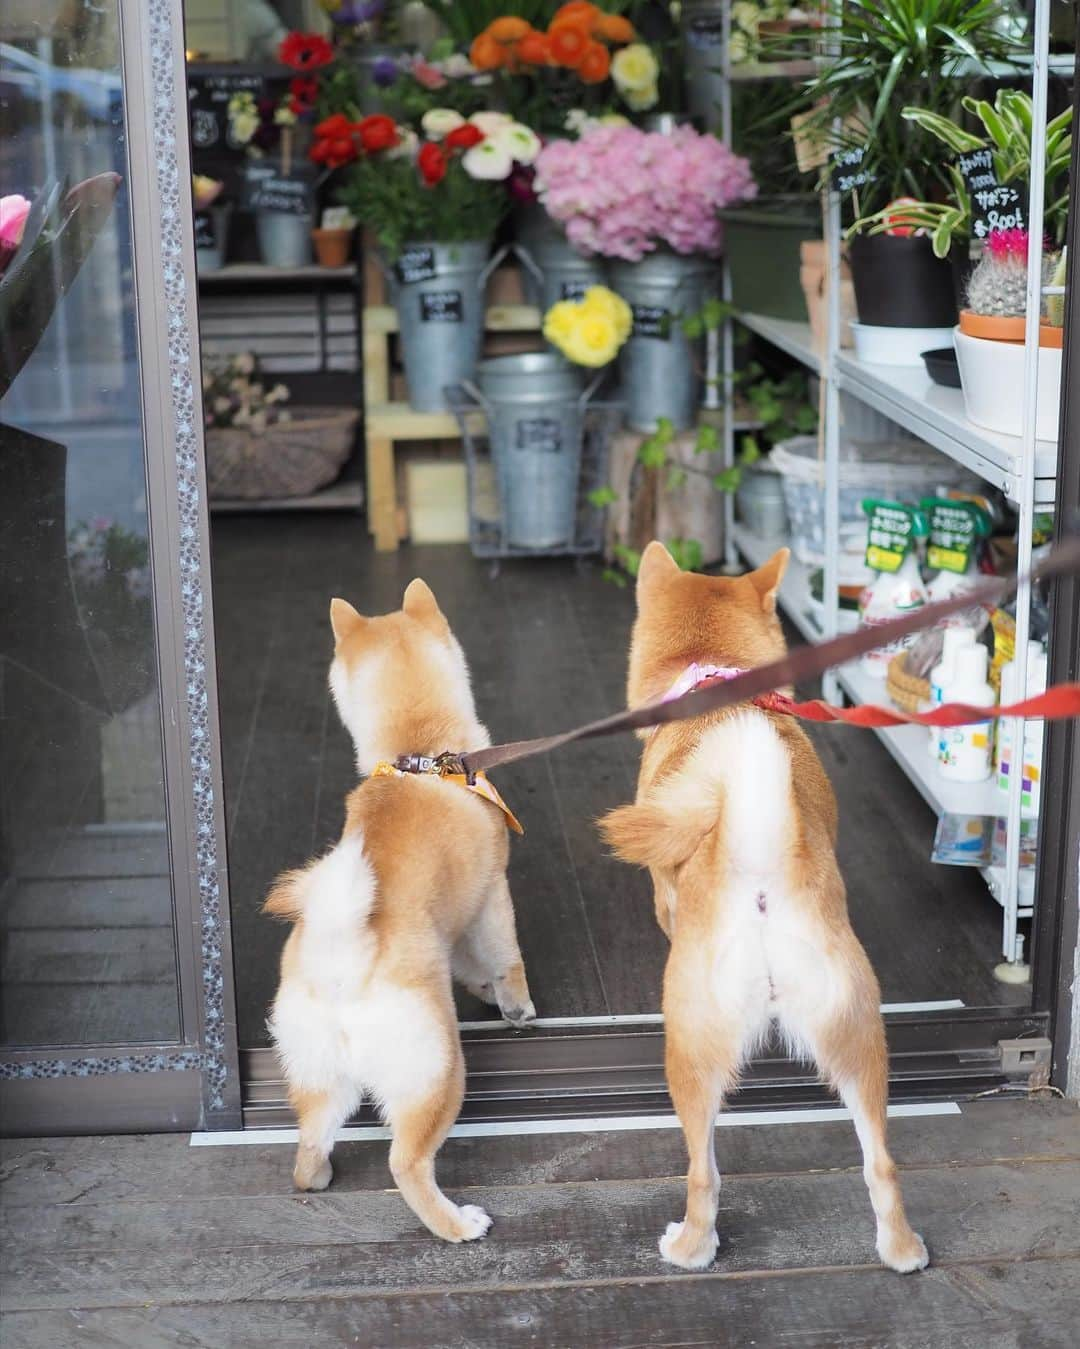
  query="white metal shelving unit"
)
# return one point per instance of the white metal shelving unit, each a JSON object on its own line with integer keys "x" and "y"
{"x": 1021, "y": 466}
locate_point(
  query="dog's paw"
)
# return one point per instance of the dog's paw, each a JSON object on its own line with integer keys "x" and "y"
{"x": 472, "y": 1224}
{"x": 313, "y": 1177}
{"x": 905, "y": 1253}
{"x": 519, "y": 1016}
{"x": 678, "y": 1249}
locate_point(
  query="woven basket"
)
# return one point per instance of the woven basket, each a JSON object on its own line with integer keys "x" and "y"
{"x": 908, "y": 693}
{"x": 288, "y": 459}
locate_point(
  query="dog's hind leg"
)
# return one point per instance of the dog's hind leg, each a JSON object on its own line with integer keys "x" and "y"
{"x": 491, "y": 946}
{"x": 419, "y": 1124}
{"x": 320, "y": 1115}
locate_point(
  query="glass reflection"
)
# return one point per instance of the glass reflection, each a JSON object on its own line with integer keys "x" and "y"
{"x": 85, "y": 898}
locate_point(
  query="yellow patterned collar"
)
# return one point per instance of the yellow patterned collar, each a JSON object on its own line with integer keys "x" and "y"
{"x": 444, "y": 767}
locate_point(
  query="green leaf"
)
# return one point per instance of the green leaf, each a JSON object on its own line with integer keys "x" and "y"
{"x": 955, "y": 137}
{"x": 652, "y": 453}
{"x": 615, "y": 577}
{"x": 688, "y": 553}
{"x": 693, "y": 327}
{"x": 728, "y": 480}
{"x": 665, "y": 430}
{"x": 805, "y": 420}
{"x": 750, "y": 453}
{"x": 630, "y": 558}
{"x": 676, "y": 478}
{"x": 603, "y": 496}
{"x": 708, "y": 439}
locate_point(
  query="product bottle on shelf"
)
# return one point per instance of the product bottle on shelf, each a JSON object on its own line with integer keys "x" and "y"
{"x": 898, "y": 587}
{"x": 1033, "y": 731}
{"x": 967, "y": 753}
{"x": 941, "y": 678}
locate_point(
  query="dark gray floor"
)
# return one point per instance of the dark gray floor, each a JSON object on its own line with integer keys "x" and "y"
{"x": 547, "y": 643}
{"x": 144, "y": 1242}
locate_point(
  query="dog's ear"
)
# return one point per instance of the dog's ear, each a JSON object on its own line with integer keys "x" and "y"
{"x": 766, "y": 580}
{"x": 419, "y": 603}
{"x": 344, "y": 620}
{"x": 656, "y": 564}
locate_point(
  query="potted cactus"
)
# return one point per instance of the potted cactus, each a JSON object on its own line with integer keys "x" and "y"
{"x": 990, "y": 337}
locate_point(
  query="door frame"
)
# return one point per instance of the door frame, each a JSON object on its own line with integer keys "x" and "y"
{"x": 193, "y": 1082}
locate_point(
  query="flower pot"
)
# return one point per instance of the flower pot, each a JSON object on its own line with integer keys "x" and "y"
{"x": 992, "y": 377}
{"x": 1010, "y": 328}
{"x": 332, "y": 247}
{"x": 536, "y": 417}
{"x": 897, "y": 346}
{"x": 899, "y": 283}
{"x": 439, "y": 293}
{"x": 762, "y": 244}
{"x": 284, "y": 239}
{"x": 212, "y": 238}
{"x": 287, "y": 459}
{"x": 659, "y": 367}
{"x": 552, "y": 269}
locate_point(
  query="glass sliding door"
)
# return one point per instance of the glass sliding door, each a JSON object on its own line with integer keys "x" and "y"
{"x": 114, "y": 1007}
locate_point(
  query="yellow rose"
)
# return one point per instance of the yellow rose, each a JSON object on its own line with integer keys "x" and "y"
{"x": 599, "y": 299}
{"x": 634, "y": 68}
{"x": 641, "y": 100}
{"x": 592, "y": 341}
{"x": 559, "y": 322}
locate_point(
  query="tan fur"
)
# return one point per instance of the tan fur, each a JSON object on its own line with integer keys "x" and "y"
{"x": 798, "y": 920}
{"x": 440, "y": 908}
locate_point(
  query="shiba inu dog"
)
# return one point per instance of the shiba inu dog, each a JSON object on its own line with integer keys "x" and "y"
{"x": 413, "y": 895}
{"x": 736, "y": 821}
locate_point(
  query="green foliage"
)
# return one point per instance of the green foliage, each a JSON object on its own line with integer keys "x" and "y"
{"x": 895, "y": 54}
{"x": 1007, "y": 132}
{"x": 653, "y": 451}
{"x": 388, "y": 197}
{"x": 707, "y": 319}
{"x": 628, "y": 558}
{"x": 466, "y": 19}
{"x": 688, "y": 553}
{"x": 603, "y": 496}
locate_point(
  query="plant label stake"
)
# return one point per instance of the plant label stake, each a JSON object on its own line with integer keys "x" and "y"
{"x": 994, "y": 205}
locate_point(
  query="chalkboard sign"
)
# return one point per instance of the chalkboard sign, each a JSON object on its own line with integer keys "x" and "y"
{"x": 209, "y": 92}
{"x": 707, "y": 31}
{"x": 849, "y": 169}
{"x": 415, "y": 264}
{"x": 267, "y": 188}
{"x": 205, "y": 233}
{"x": 994, "y": 205}
{"x": 651, "y": 321}
{"x": 573, "y": 290}
{"x": 542, "y": 435}
{"x": 441, "y": 306}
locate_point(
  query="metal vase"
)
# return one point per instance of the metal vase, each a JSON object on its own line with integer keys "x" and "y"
{"x": 439, "y": 293}
{"x": 702, "y": 24}
{"x": 535, "y": 406}
{"x": 211, "y": 257}
{"x": 284, "y": 239}
{"x": 552, "y": 268}
{"x": 659, "y": 368}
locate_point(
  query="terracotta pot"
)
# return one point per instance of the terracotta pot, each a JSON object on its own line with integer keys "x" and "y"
{"x": 332, "y": 246}
{"x": 995, "y": 328}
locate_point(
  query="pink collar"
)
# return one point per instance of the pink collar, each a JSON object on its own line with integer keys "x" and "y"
{"x": 696, "y": 674}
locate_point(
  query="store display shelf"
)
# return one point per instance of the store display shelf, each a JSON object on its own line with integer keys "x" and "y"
{"x": 995, "y": 883}
{"x": 907, "y": 745}
{"x": 907, "y": 395}
{"x": 339, "y": 496}
{"x": 259, "y": 271}
{"x": 789, "y": 335}
{"x": 795, "y": 588}
{"x": 749, "y": 72}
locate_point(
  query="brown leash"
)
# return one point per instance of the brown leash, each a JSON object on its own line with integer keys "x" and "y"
{"x": 798, "y": 666}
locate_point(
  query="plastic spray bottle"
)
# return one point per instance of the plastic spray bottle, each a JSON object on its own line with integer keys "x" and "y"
{"x": 898, "y": 587}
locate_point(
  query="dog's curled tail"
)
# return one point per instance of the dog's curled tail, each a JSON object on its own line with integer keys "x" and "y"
{"x": 655, "y": 834}
{"x": 336, "y": 889}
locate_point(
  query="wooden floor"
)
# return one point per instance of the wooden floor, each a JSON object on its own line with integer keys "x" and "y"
{"x": 547, "y": 642}
{"x": 144, "y": 1242}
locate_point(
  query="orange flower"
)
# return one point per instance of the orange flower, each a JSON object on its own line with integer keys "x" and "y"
{"x": 533, "y": 49}
{"x": 508, "y": 29}
{"x": 614, "y": 28}
{"x": 485, "y": 53}
{"x": 595, "y": 64}
{"x": 568, "y": 40}
{"x": 577, "y": 10}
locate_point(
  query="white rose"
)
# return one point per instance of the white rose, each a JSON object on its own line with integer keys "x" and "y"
{"x": 738, "y": 48}
{"x": 490, "y": 122}
{"x": 744, "y": 15}
{"x": 521, "y": 143}
{"x": 439, "y": 122}
{"x": 489, "y": 160}
{"x": 457, "y": 66}
{"x": 634, "y": 67}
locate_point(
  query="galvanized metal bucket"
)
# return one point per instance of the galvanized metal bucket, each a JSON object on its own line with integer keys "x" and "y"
{"x": 702, "y": 24}
{"x": 284, "y": 239}
{"x": 659, "y": 367}
{"x": 439, "y": 293}
{"x": 535, "y": 407}
{"x": 553, "y": 269}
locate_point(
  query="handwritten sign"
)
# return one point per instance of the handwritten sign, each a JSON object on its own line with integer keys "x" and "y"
{"x": 850, "y": 170}
{"x": 415, "y": 264}
{"x": 542, "y": 435}
{"x": 268, "y": 188}
{"x": 208, "y": 105}
{"x": 574, "y": 290}
{"x": 441, "y": 306}
{"x": 651, "y": 321}
{"x": 994, "y": 205}
{"x": 707, "y": 31}
{"x": 205, "y": 230}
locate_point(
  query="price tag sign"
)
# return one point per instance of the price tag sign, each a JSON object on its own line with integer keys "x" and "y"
{"x": 542, "y": 435}
{"x": 994, "y": 205}
{"x": 707, "y": 31}
{"x": 651, "y": 321}
{"x": 441, "y": 306}
{"x": 573, "y": 290}
{"x": 268, "y": 188}
{"x": 954, "y": 529}
{"x": 205, "y": 233}
{"x": 415, "y": 264}
{"x": 892, "y": 531}
{"x": 849, "y": 169}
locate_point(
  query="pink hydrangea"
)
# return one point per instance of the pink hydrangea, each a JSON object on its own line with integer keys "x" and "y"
{"x": 622, "y": 192}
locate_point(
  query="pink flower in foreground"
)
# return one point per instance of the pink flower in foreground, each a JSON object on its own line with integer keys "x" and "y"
{"x": 13, "y": 213}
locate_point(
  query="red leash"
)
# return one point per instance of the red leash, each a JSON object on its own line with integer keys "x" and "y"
{"x": 1057, "y": 703}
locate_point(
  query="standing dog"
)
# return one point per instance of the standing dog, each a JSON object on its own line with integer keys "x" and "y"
{"x": 415, "y": 893}
{"x": 736, "y": 821}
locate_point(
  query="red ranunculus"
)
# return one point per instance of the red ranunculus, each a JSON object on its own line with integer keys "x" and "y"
{"x": 335, "y": 125}
{"x": 335, "y": 150}
{"x": 431, "y": 162}
{"x": 305, "y": 51}
{"x": 464, "y": 137}
{"x": 303, "y": 91}
{"x": 377, "y": 132}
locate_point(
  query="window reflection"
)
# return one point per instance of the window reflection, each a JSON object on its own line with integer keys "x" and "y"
{"x": 85, "y": 899}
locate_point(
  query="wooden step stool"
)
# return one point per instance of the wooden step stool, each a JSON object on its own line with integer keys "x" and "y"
{"x": 386, "y": 423}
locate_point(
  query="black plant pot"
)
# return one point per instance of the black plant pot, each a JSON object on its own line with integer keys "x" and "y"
{"x": 900, "y": 284}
